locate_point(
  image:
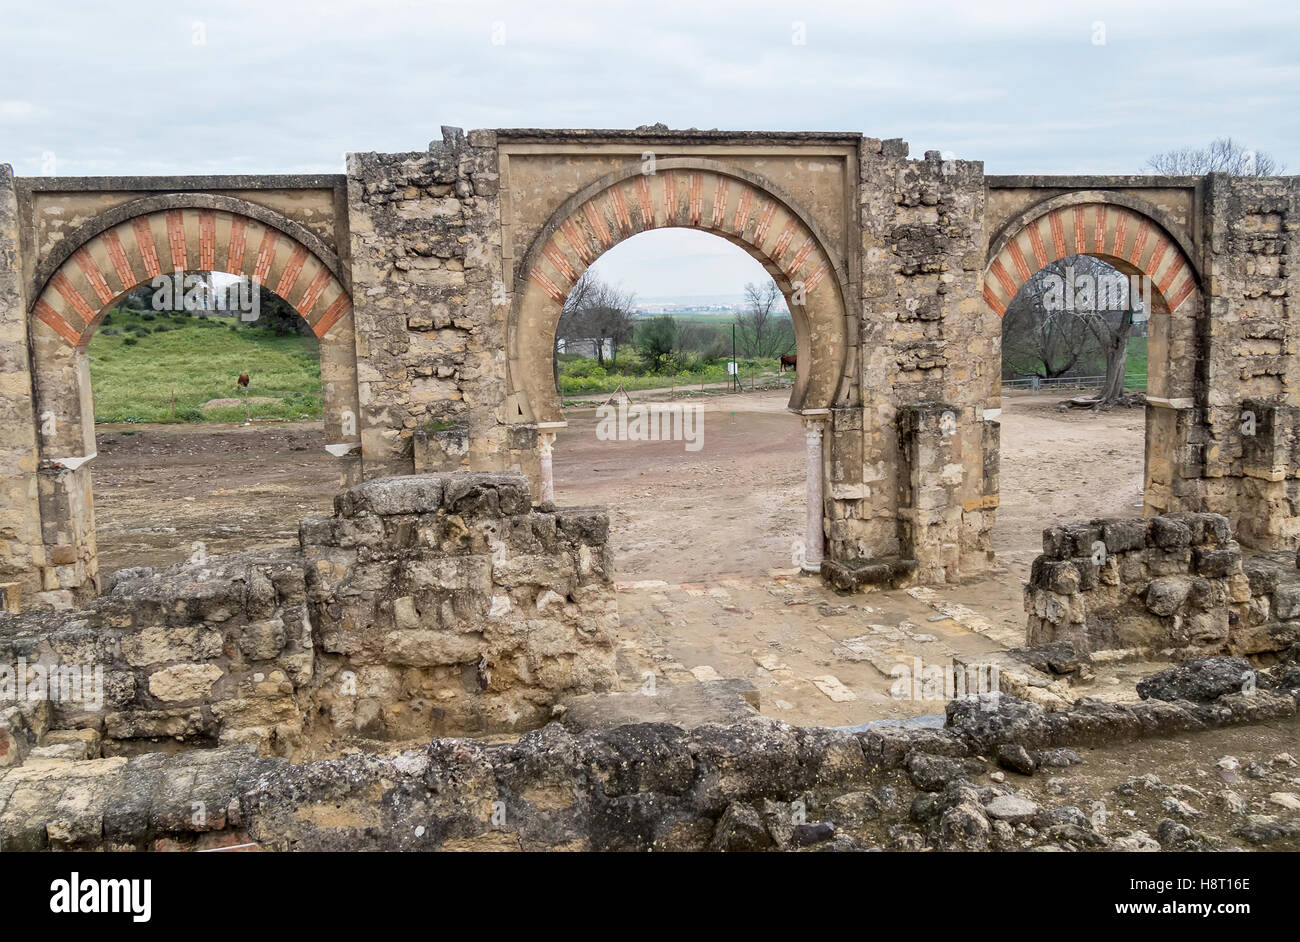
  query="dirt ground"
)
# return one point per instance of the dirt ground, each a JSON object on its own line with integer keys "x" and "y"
{"x": 704, "y": 540}
{"x": 704, "y": 546}
{"x": 159, "y": 489}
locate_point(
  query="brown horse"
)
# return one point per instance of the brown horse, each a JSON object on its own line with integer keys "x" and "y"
{"x": 787, "y": 360}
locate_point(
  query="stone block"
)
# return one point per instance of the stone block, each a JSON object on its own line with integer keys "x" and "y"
{"x": 1170, "y": 534}
{"x": 1057, "y": 576}
{"x": 1165, "y": 596}
{"x": 384, "y": 497}
{"x": 487, "y": 494}
{"x": 1217, "y": 562}
{"x": 422, "y": 648}
{"x": 582, "y": 525}
{"x": 1264, "y": 578}
{"x": 1058, "y": 543}
{"x": 1124, "y": 535}
{"x": 1286, "y": 603}
{"x": 263, "y": 640}
{"x": 174, "y": 723}
{"x": 184, "y": 682}
{"x": 165, "y": 645}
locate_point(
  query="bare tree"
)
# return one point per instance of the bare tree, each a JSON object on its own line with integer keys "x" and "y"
{"x": 1036, "y": 344}
{"x": 765, "y": 328}
{"x": 607, "y": 318}
{"x": 595, "y": 311}
{"x": 579, "y": 297}
{"x": 1068, "y": 314}
{"x": 1223, "y": 155}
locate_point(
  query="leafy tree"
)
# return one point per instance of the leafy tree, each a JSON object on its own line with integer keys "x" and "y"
{"x": 656, "y": 340}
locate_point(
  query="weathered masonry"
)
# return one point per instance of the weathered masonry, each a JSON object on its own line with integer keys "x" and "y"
{"x": 435, "y": 280}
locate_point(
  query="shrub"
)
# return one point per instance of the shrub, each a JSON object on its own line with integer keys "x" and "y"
{"x": 583, "y": 367}
{"x": 656, "y": 340}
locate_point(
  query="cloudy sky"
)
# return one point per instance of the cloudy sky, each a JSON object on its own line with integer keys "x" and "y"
{"x": 166, "y": 86}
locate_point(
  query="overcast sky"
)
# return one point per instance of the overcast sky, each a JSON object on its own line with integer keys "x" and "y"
{"x": 161, "y": 86}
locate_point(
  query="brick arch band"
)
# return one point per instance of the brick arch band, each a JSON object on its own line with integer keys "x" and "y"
{"x": 139, "y": 249}
{"x": 1134, "y": 239}
{"x": 680, "y": 193}
{"x": 1118, "y": 234}
{"x": 116, "y": 252}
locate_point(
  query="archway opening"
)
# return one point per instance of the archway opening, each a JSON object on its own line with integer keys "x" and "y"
{"x": 185, "y": 259}
{"x": 1075, "y": 343}
{"x": 668, "y": 363}
{"x": 689, "y": 194}
{"x": 701, "y": 470}
{"x": 208, "y": 412}
{"x": 1066, "y": 472}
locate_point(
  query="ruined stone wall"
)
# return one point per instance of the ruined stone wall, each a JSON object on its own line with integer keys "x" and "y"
{"x": 1175, "y": 585}
{"x": 446, "y": 603}
{"x": 430, "y": 309}
{"x": 751, "y": 786}
{"x": 194, "y": 655}
{"x": 22, "y": 550}
{"x": 429, "y": 243}
{"x": 428, "y": 605}
{"x": 1250, "y": 403}
{"x": 921, "y": 488}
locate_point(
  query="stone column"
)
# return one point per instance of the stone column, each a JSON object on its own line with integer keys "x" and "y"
{"x": 544, "y": 442}
{"x": 814, "y": 428}
{"x": 22, "y": 548}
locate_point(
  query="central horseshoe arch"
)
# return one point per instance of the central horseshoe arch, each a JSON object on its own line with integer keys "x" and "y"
{"x": 681, "y": 193}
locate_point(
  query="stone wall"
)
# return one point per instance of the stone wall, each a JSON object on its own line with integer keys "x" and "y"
{"x": 22, "y": 550}
{"x": 1250, "y": 395}
{"x": 430, "y": 310}
{"x": 194, "y": 655}
{"x": 911, "y": 492}
{"x": 429, "y": 605}
{"x": 435, "y": 248}
{"x": 447, "y": 603}
{"x": 1174, "y": 585}
{"x": 750, "y": 786}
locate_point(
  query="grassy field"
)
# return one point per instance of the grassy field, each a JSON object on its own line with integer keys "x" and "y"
{"x": 1135, "y": 366}
{"x": 582, "y": 376}
{"x": 140, "y": 361}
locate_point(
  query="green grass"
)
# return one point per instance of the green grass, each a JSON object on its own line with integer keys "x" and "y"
{"x": 581, "y": 376}
{"x": 139, "y": 360}
{"x": 1135, "y": 366}
{"x": 713, "y": 318}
